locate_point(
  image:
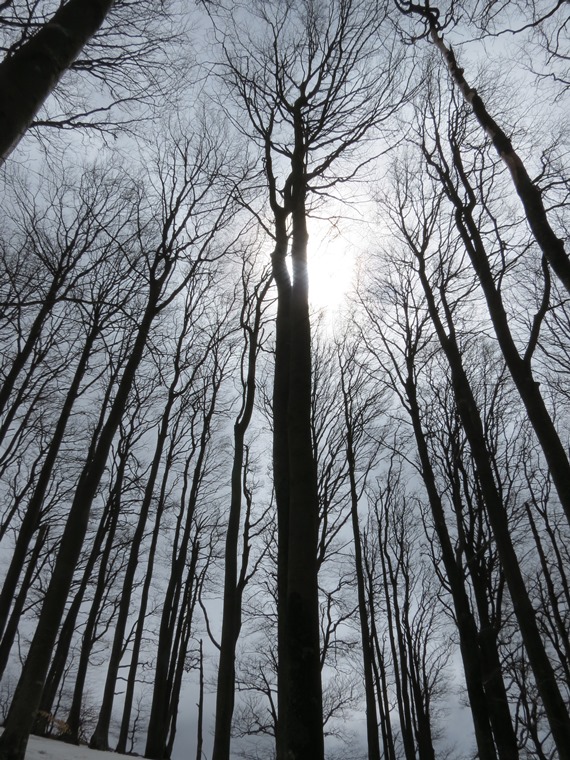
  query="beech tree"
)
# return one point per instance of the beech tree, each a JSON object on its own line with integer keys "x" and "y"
{"x": 37, "y": 65}
{"x": 120, "y": 49}
{"x": 86, "y": 290}
{"x": 417, "y": 231}
{"x": 252, "y": 323}
{"x": 364, "y": 487}
{"x": 528, "y": 191}
{"x": 186, "y": 200}
{"x": 310, "y": 105}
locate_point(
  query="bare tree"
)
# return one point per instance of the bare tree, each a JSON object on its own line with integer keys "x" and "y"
{"x": 37, "y": 65}
{"x": 310, "y": 104}
{"x": 417, "y": 230}
{"x": 528, "y": 190}
{"x": 184, "y": 243}
{"x": 252, "y": 324}
{"x": 113, "y": 52}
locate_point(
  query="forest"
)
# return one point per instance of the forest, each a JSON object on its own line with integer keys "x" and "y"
{"x": 284, "y": 423}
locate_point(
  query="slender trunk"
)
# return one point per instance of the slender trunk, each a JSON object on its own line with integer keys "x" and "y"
{"x": 281, "y": 477}
{"x": 57, "y": 666}
{"x": 33, "y": 510}
{"x": 30, "y": 74}
{"x": 158, "y": 720}
{"x": 12, "y": 626}
{"x": 553, "y": 702}
{"x": 140, "y": 625}
{"x": 74, "y": 716}
{"x": 233, "y": 592}
{"x": 529, "y": 193}
{"x": 380, "y": 675}
{"x": 367, "y": 656}
{"x": 28, "y": 346}
{"x": 399, "y": 660}
{"x": 100, "y": 737}
{"x": 180, "y": 648}
{"x": 27, "y": 697}
{"x": 519, "y": 367}
{"x": 466, "y": 624}
{"x": 421, "y": 697}
{"x": 556, "y": 615}
{"x": 488, "y": 634}
{"x": 200, "y": 720}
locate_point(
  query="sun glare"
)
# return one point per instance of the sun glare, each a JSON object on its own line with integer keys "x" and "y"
{"x": 331, "y": 269}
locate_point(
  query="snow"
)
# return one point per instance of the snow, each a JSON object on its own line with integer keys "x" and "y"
{"x": 52, "y": 749}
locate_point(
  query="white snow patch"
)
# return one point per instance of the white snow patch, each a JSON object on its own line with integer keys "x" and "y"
{"x": 52, "y": 749}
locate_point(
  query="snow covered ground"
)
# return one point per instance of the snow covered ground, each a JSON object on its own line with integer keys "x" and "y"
{"x": 51, "y": 749}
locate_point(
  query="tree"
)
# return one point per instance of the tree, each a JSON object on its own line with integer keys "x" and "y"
{"x": 104, "y": 66}
{"x": 187, "y": 201}
{"x": 87, "y": 289}
{"x": 417, "y": 231}
{"x": 401, "y": 343}
{"x": 528, "y": 191}
{"x": 37, "y": 65}
{"x": 360, "y": 406}
{"x": 417, "y": 507}
{"x": 463, "y": 196}
{"x": 252, "y": 323}
{"x": 299, "y": 82}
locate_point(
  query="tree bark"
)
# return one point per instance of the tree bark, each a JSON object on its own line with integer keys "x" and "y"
{"x": 28, "y": 76}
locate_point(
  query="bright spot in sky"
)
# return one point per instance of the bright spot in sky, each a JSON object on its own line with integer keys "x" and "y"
{"x": 331, "y": 269}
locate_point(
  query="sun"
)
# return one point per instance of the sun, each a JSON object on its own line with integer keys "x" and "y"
{"x": 332, "y": 266}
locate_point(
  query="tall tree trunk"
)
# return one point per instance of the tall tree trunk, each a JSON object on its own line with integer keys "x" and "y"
{"x": 488, "y": 634}
{"x": 100, "y": 737}
{"x": 304, "y": 731}
{"x": 555, "y": 708}
{"x": 181, "y": 640}
{"x": 20, "y": 600}
{"x": 30, "y": 74}
{"x": 233, "y": 592}
{"x": 33, "y": 510}
{"x": 74, "y": 716}
{"x": 399, "y": 660}
{"x": 378, "y": 664}
{"x": 200, "y": 719}
{"x": 28, "y": 692}
{"x": 57, "y": 666}
{"x": 366, "y": 641}
{"x": 281, "y": 477}
{"x": 530, "y": 194}
{"x": 479, "y": 697}
{"x": 141, "y": 620}
{"x": 158, "y": 721}
{"x": 519, "y": 367}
